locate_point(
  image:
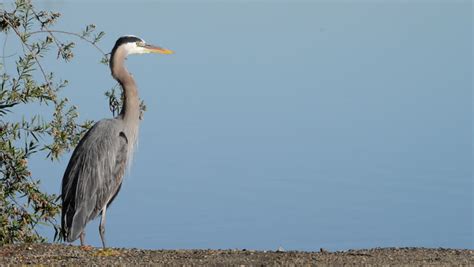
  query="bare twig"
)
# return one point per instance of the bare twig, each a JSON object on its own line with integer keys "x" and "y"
{"x": 3, "y": 52}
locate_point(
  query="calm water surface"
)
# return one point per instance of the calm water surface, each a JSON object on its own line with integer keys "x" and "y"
{"x": 302, "y": 125}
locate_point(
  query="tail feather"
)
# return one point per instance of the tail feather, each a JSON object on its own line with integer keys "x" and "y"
{"x": 78, "y": 224}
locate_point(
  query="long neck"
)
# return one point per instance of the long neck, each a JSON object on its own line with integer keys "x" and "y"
{"x": 131, "y": 105}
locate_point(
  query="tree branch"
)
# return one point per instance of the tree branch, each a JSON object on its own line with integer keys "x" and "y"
{"x": 34, "y": 56}
{"x": 73, "y": 34}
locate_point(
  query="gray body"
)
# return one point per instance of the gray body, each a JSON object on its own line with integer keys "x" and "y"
{"x": 95, "y": 171}
{"x": 94, "y": 175}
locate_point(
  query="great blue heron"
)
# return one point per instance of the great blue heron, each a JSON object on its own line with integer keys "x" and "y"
{"x": 94, "y": 174}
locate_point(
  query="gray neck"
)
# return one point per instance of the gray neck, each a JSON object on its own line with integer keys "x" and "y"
{"x": 131, "y": 105}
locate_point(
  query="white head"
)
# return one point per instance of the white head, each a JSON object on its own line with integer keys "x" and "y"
{"x": 130, "y": 45}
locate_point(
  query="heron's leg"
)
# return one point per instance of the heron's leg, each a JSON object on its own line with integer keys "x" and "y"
{"x": 102, "y": 226}
{"x": 82, "y": 237}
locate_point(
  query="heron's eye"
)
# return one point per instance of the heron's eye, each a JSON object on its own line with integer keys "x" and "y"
{"x": 141, "y": 44}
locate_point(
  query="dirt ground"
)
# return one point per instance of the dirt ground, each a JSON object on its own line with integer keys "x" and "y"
{"x": 59, "y": 254}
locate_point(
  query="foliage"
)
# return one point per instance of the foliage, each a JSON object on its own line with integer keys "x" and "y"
{"x": 115, "y": 103}
{"x": 22, "y": 204}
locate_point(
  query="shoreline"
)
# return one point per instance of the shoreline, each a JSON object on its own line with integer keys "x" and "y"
{"x": 69, "y": 254}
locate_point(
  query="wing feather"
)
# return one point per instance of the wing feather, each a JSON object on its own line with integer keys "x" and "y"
{"x": 93, "y": 176}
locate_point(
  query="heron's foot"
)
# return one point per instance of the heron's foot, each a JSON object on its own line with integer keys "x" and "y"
{"x": 106, "y": 252}
{"x": 86, "y": 247}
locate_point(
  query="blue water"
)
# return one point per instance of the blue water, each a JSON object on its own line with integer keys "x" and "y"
{"x": 302, "y": 125}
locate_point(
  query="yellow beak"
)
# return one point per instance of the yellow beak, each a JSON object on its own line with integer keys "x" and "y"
{"x": 157, "y": 49}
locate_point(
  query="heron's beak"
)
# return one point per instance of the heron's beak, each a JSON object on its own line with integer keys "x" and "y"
{"x": 157, "y": 49}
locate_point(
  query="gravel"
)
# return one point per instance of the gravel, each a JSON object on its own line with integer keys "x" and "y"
{"x": 59, "y": 254}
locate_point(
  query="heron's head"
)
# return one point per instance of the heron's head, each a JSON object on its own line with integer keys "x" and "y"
{"x": 129, "y": 45}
